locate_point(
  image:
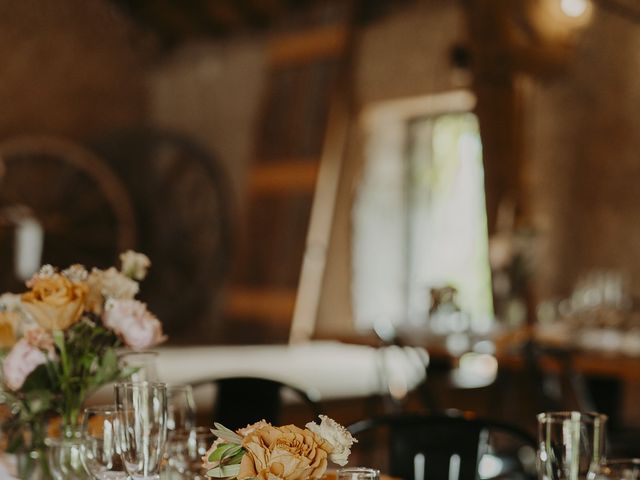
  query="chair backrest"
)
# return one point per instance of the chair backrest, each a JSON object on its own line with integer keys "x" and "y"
{"x": 243, "y": 400}
{"x": 449, "y": 447}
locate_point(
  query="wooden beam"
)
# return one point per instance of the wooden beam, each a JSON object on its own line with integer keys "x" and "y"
{"x": 307, "y": 45}
{"x": 284, "y": 176}
{"x": 271, "y": 305}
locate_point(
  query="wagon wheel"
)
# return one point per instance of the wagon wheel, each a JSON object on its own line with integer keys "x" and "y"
{"x": 180, "y": 199}
{"x": 81, "y": 210}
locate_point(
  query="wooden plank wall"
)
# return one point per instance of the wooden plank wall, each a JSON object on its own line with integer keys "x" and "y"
{"x": 304, "y": 63}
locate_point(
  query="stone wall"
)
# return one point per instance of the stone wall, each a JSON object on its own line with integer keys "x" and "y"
{"x": 69, "y": 68}
{"x": 583, "y": 158}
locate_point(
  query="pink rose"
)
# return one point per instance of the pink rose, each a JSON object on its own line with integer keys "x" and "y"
{"x": 130, "y": 319}
{"x": 23, "y": 359}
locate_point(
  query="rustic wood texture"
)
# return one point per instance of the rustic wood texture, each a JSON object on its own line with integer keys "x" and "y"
{"x": 303, "y": 69}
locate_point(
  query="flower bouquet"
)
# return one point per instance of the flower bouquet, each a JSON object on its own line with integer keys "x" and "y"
{"x": 59, "y": 342}
{"x": 262, "y": 451}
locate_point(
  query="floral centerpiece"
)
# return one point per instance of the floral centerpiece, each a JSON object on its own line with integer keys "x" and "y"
{"x": 59, "y": 342}
{"x": 262, "y": 451}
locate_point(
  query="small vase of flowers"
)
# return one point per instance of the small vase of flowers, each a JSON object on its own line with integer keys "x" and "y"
{"x": 59, "y": 342}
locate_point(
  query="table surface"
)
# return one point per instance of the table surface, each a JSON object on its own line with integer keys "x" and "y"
{"x": 508, "y": 352}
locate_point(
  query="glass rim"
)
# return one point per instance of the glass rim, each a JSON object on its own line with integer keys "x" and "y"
{"x": 186, "y": 432}
{"x": 123, "y": 353}
{"x": 358, "y": 470}
{"x": 621, "y": 461}
{"x": 561, "y": 416}
{"x": 128, "y": 385}
{"x": 107, "y": 408}
{"x": 179, "y": 386}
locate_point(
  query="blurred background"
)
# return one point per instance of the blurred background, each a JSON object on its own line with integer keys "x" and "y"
{"x": 457, "y": 176}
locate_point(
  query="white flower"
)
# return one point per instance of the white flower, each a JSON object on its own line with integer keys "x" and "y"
{"x": 45, "y": 271}
{"x": 11, "y": 302}
{"x": 112, "y": 284}
{"x": 76, "y": 273}
{"x": 335, "y": 434}
{"x": 134, "y": 264}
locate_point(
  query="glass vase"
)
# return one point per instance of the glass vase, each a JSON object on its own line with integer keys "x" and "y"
{"x": 64, "y": 456}
{"x": 28, "y": 465}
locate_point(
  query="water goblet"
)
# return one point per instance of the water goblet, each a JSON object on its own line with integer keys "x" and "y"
{"x": 571, "y": 445}
{"x": 142, "y": 409}
{"x": 100, "y": 451}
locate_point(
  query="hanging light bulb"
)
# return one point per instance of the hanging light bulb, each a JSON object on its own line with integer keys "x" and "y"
{"x": 574, "y": 8}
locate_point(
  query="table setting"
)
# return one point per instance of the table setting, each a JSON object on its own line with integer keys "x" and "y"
{"x": 74, "y": 332}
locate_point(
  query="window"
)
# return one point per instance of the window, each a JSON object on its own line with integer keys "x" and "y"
{"x": 419, "y": 219}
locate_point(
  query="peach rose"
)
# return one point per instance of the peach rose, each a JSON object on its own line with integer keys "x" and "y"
{"x": 286, "y": 453}
{"x": 8, "y": 325}
{"x": 55, "y": 302}
{"x": 130, "y": 319}
{"x": 23, "y": 359}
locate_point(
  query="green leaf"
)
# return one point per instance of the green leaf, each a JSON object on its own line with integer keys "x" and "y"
{"x": 216, "y": 455}
{"x": 225, "y": 434}
{"x": 237, "y": 458}
{"x": 224, "y": 471}
{"x": 37, "y": 380}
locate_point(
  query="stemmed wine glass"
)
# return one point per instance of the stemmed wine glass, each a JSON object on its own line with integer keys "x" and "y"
{"x": 142, "y": 409}
{"x": 100, "y": 451}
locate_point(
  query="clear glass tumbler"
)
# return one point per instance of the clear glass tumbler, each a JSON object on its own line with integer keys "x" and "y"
{"x": 181, "y": 408}
{"x": 143, "y": 365}
{"x": 102, "y": 435}
{"x": 185, "y": 450}
{"x": 358, "y": 473}
{"x": 571, "y": 445}
{"x": 142, "y": 408}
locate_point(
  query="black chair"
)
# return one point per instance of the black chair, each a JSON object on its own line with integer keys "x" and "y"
{"x": 447, "y": 447}
{"x": 240, "y": 401}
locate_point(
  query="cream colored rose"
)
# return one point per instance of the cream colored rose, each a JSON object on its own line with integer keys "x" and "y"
{"x": 55, "y": 302}
{"x": 134, "y": 264}
{"x": 339, "y": 437}
{"x": 110, "y": 283}
{"x": 286, "y": 453}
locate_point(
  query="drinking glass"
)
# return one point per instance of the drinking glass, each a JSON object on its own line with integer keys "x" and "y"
{"x": 358, "y": 473}
{"x": 100, "y": 452}
{"x": 63, "y": 452}
{"x": 619, "y": 469}
{"x": 181, "y": 408}
{"x": 142, "y": 408}
{"x": 185, "y": 450}
{"x": 143, "y": 364}
{"x": 571, "y": 445}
